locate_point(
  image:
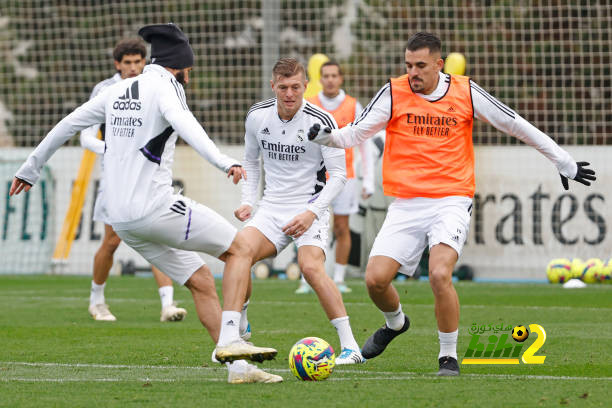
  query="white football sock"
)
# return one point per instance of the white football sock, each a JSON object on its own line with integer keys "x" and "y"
{"x": 96, "y": 296}
{"x": 343, "y": 327}
{"x": 166, "y": 295}
{"x": 448, "y": 344}
{"x": 339, "y": 272}
{"x": 303, "y": 281}
{"x": 230, "y": 322}
{"x": 395, "y": 320}
{"x": 239, "y": 366}
{"x": 244, "y": 321}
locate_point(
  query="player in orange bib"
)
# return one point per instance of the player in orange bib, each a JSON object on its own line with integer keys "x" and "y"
{"x": 344, "y": 108}
{"x": 428, "y": 166}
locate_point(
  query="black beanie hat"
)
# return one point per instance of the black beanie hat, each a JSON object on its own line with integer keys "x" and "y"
{"x": 169, "y": 45}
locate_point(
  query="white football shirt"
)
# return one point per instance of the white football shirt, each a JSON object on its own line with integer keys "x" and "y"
{"x": 294, "y": 167}
{"x": 140, "y": 114}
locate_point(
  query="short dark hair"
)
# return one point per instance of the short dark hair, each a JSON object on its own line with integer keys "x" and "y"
{"x": 332, "y": 63}
{"x": 129, "y": 46}
{"x": 424, "y": 40}
{"x": 288, "y": 67}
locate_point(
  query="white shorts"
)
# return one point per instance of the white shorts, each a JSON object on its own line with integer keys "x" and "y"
{"x": 185, "y": 226}
{"x": 270, "y": 220}
{"x": 413, "y": 223}
{"x": 347, "y": 202}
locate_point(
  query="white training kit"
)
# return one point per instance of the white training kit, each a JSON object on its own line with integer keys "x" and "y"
{"x": 294, "y": 171}
{"x": 141, "y": 115}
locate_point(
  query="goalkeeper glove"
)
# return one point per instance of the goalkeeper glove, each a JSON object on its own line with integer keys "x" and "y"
{"x": 583, "y": 175}
{"x": 315, "y": 130}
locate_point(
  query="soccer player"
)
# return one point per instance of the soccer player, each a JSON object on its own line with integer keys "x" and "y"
{"x": 344, "y": 108}
{"x": 143, "y": 116}
{"x": 129, "y": 57}
{"x": 294, "y": 206}
{"x": 428, "y": 166}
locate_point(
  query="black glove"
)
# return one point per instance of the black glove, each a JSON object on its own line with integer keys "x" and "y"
{"x": 583, "y": 175}
{"x": 314, "y": 131}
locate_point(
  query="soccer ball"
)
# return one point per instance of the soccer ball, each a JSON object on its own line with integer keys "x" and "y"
{"x": 312, "y": 359}
{"x": 604, "y": 273}
{"x": 592, "y": 267}
{"x": 559, "y": 270}
{"x": 520, "y": 333}
{"x": 576, "y": 269}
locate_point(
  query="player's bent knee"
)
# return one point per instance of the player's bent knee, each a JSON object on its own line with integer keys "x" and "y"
{"x": 111, "y": 244}
{"x": 311, "y": 271}
{"x": 375, "y": 284}
{"x": 440, "y": 277}
{"x": 201, "y": 281}
{"x": 241, "y": 247}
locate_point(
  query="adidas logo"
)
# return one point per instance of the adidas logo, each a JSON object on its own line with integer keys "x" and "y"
{"x": 451, "y": 109}
{"x": 265, "y": 132}
{"x": 230, "y": 323}
{"x": 129, "y": 100}
{"x": 318, "y": 236}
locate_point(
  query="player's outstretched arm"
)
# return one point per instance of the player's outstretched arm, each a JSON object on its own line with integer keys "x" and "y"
{"x": 372, "y": 119}
{"x": 583, "y": 175}
{"x": 491, "y": 110}
{"x": 88, "y": 114}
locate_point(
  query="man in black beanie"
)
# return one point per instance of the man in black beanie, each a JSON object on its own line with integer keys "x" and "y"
{"x": 169, "y": 48}
{"x": 143, "y": 116}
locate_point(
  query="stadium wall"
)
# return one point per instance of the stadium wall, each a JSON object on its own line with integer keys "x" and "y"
{"x": 521, "y": 219}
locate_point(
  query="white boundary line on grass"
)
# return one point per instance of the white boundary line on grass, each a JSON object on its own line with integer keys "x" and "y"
{"x": 389, "y": 375}
{"x": 19, "y": 295}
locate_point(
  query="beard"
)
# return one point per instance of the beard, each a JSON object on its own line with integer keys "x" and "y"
{"x": 180, "y": 77}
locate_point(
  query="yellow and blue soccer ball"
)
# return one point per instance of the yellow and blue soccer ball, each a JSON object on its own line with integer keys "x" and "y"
{"x": 604, "y": 274}
{"x": 576, "y": 268}
{"x": 559, "y": 270}
{"x": 312, "y": 359}
{"x": 520, "y": 333}
{"x": 591, "y": 269}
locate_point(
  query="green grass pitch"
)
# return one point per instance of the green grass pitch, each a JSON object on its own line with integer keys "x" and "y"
{"x": 53, "y": 354}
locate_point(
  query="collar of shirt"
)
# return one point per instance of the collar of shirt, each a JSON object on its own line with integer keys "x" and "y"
{"x": 158, "y": 69}
{"x": 439, "y": 91}
{"x": 117, "y": 77}
{"x": 331, "y": 104}
{"x": 297, "y": 114}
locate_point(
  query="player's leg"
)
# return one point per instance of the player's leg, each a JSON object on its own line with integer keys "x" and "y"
{"x": 245, "y": 326}
{"x": 397, "y": 247}
{"x": 187, "y": 268}
{"x": 343, "y": 248}
{"x": 249, "y": 246}
{"x": 103, "y": 261}
{"x": 169, "y": 311}
{"x": 446, "y": 239}
{"x": 345, "y": 204}
{"x": 442, "y": 260}
{"x": 379, "y": 276}
{"x": 312, "y": 263}
{"x": 202, "y": 287}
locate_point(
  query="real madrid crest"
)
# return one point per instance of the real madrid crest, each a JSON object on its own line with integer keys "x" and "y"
{"x": 300, "y": 135}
